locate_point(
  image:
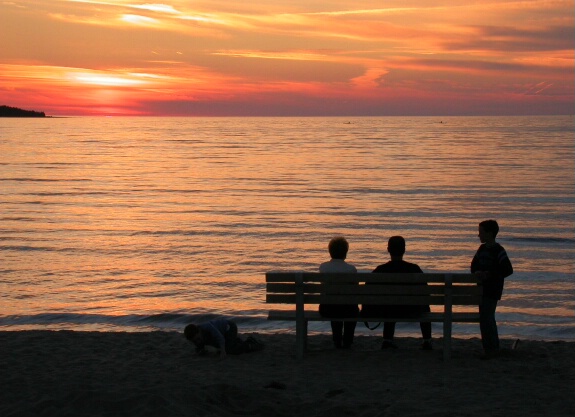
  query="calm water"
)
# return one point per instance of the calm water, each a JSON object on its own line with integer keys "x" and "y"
{"x": 147, "y": 223}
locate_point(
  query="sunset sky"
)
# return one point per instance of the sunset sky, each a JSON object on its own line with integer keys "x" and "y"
{"x": 288, "y": 58}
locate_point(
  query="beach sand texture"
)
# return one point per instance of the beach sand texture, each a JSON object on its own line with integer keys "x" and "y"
{"x": 68, "y": 373}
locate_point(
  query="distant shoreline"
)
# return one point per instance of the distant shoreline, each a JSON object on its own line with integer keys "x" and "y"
{"x": 7, "y": 111}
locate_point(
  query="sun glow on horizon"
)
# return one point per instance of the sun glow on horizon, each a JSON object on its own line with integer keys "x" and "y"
{"x": 106, "y": 80}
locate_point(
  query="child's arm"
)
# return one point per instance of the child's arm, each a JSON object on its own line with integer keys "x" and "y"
{"x": 504, "y": 267}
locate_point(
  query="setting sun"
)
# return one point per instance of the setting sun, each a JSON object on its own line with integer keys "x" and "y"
{"x": 105, "y": 80}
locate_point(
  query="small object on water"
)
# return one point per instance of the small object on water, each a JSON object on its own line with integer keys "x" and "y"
{"x": 515, "y": 344}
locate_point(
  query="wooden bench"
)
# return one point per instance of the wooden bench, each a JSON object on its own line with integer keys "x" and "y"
{"x": 456, "y": 298}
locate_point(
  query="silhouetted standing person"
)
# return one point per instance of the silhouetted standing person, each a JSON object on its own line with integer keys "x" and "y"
{"x": 493, "y": 265}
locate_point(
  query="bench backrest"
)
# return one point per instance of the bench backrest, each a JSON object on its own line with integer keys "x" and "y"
{"x": 365, "y": 288}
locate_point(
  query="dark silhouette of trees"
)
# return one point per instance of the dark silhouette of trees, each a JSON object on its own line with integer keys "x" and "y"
{"x": 7, "y": 111}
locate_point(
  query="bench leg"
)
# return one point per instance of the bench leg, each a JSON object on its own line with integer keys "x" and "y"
{"x": 301, "y": 338}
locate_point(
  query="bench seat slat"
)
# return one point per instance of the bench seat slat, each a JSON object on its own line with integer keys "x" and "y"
{"x": 396, "y": 289}
{"x": 283, "y": 288}
{"x": 391, "y": 300}
{"x": 383, "y": 299}
{"x": 381, "y": 289}
{"x": 395, "y": 299}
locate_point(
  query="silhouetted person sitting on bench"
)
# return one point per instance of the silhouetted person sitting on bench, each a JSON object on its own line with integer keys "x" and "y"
{"x": 396, "y": 249}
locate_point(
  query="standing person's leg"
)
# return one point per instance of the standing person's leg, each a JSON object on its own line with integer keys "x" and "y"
{"x": 488, "y": 325}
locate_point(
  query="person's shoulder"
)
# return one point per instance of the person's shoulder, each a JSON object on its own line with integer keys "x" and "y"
{"x": 412, "y": 267}
{"x": 382, "y": 268}
{"x": 495, "y": 248}
{"x": 347, "y": 267}
{"x": 481, "y": 248}
{"x": 501, "y": 251}
{"x": 337, "y": 265}
{"x": 351, "y": 267}
{"x": 323, "y": 266}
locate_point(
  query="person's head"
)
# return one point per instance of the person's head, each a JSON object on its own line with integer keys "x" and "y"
{"x": 194, "y": 334}
{"x": 396, "y": 246}
{"x": 338, "y": 248}
{"x": 488, "y": 230}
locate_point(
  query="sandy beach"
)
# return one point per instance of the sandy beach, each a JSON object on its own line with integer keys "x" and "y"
{"x": 66, "y": 373}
